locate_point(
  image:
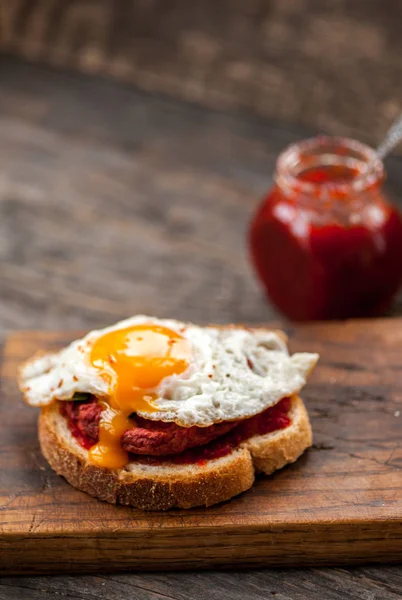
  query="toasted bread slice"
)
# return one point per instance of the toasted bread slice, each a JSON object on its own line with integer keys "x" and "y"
{"x": 173, "y": 485}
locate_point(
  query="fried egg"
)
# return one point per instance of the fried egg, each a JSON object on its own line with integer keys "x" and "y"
{"x": 167, "y": 370}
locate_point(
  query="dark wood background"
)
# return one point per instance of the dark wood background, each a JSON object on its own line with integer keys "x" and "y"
{"x": 334, "y": 65}
{"x": 113, "y": 201}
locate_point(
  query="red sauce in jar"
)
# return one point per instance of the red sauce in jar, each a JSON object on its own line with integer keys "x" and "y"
{"x": 325, "y": 242}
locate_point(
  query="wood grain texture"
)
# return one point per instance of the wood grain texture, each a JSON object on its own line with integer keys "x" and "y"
{"x": 331, "y": 65}
{"x": 340, "y": 503}
{"x": 114, "y": 202}
{"x": 80, "y": 155}
{"x": 363, "y": 583}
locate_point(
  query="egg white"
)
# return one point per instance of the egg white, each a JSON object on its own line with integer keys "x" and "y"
{"x": 219, "y": 384}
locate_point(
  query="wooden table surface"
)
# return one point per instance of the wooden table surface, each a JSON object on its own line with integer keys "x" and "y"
{"x": 114, "y": 202}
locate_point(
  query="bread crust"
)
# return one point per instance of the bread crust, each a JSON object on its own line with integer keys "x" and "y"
{"x": 183, "y": 486}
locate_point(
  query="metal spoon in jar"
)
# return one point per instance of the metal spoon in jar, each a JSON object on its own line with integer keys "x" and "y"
{"x": 391, "y": 140}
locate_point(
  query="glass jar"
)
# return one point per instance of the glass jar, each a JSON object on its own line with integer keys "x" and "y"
{"x": 325, "y": 242}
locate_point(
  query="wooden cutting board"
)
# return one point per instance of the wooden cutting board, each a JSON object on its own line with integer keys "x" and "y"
{"x": 340, "y": 503}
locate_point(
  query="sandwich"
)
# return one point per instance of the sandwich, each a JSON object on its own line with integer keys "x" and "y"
{"x": 156, "y": 413}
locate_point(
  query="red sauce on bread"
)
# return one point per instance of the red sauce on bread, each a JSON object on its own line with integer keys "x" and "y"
{"x": 272, "y": 419}
{"x": 211, "y": 442}
{"x": 83, "y": 420}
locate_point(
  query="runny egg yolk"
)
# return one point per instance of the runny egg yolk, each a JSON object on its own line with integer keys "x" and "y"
{"x": 133, "y": 361}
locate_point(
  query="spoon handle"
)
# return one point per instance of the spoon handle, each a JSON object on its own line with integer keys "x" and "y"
{"x": 392, "y": 139}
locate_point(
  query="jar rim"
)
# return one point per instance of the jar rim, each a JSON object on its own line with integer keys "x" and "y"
{"x": 370, "y": 172}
